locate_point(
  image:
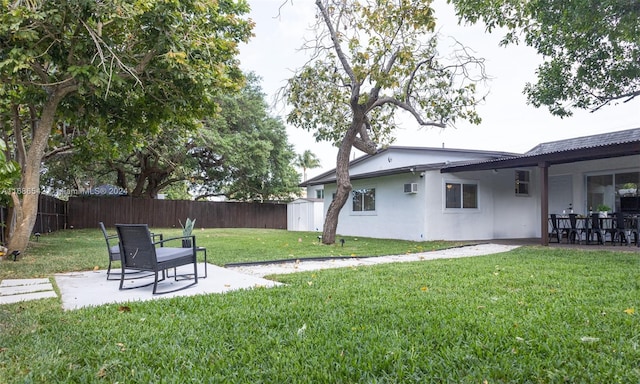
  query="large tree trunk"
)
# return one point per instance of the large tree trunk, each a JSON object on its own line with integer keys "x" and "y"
{"x": 26, "y": 211}
{"x": 26, "y": 208}
{"x": 357, "y": 136}
{"x": 343, "y": 182}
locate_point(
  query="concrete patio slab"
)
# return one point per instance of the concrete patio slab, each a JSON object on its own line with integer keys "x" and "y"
{"x": 83, "y": 289}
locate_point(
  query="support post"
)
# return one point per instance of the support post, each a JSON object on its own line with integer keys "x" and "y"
{"x": 544, "y": 202}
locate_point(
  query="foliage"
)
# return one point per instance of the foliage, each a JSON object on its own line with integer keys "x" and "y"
{"x": 370, "y": 61}
{"x": 591, "y": 47}
{"x": 532, "y": 315}
{"x": 243, "y": 153}
{"x": 238, "y": 150}
{"x": 126, "y": 66}
{"x": 130, "y": 64}
{"x": 154, "y": 164}
{"x": 307, "y": 160}
{"x": 177, "y": 191}
{"x": 396, "y": 67}
{"x": 187, "y": 228}
{"x": 9, "y": 174}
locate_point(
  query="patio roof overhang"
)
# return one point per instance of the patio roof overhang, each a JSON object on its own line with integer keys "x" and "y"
{"x": 552, "y": 158}
{"x": 544, "y": 160}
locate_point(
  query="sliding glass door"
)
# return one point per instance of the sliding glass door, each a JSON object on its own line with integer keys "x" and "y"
{"x": 607, "y": 190}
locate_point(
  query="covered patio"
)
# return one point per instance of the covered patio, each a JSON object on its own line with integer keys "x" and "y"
{"x": 615, "y": 145}
{"x": 536, "y": 242}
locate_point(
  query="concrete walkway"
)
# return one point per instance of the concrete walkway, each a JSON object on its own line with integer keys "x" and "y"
{"x": 265, "y": 269}
{"x": 16, "y": 290}
{"x": 91, "y": 288}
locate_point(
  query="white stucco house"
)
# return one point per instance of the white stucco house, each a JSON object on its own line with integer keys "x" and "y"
{"x": 420, "y": 194}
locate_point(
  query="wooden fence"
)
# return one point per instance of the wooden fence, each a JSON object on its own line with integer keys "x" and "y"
{"x": 52, "y": 216}
{"x": 86, "y": 212}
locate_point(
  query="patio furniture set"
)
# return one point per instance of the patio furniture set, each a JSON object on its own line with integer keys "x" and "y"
{"x": 143, "y": 254}
{"x": 594, "y": 229}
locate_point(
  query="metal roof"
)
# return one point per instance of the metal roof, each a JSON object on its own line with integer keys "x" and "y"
{"x": 601, "y": 146}
{"x": 611, "y": 138}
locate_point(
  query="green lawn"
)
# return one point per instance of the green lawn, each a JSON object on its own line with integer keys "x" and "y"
{"x": 85, "y": 249}
{"x": 535, "y": 314}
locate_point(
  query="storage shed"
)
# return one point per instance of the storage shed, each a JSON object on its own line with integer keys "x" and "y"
{"x": 305, "y": 214}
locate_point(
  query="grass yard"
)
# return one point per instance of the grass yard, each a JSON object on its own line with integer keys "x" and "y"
{"x": 85, "y": 249}
{"x": 538, "y": 315}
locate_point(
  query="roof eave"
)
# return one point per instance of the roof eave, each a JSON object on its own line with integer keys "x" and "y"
{"x": 562, "y": 157}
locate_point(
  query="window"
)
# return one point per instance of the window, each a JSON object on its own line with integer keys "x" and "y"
{"x": 522, "y": 183}
{"x": 319, "y": 193}
{"x": 600, "y": 191}
{"x": 364, "y": 199}
{"x": 459, "y": 195}
{"x": 613, "y": 190}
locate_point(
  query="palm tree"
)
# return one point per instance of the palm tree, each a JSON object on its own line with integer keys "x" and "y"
{"x": 308, "y": 160}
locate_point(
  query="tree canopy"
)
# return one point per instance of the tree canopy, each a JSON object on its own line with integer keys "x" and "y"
{"x": 239, "y": 152}
{"x": 591, "y": 48}
{"x": 123, "y": 65}
{"x": 307, "y": 160}
{"x": 244, "y": 153}
{"x": 371, "y": 60}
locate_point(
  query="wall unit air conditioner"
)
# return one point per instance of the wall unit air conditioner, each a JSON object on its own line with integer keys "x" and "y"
{"x": 411, "y": 188}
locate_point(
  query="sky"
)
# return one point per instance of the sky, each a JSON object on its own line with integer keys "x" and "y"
{"x": 509, "y": 124}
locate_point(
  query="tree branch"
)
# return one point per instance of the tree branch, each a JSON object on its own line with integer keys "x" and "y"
{"x": 363, "y": 142}
{"x": 99, "y": 42}
{"x": 605, "y": 100}
{"x": 205, "y": 195}
{"x": 375, "y": 91}
{"x": 409, "y": 86}
{"x": 64, "y": 150}
{"x": 409, "y": 108}
{"x": 336, "y": 43}
{"x": 17, "y": 133}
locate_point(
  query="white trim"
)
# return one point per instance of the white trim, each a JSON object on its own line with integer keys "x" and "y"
{"x": 528, "y": 182}
{"x": 461, "y": 209}
{"x": 363, "y": 212}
